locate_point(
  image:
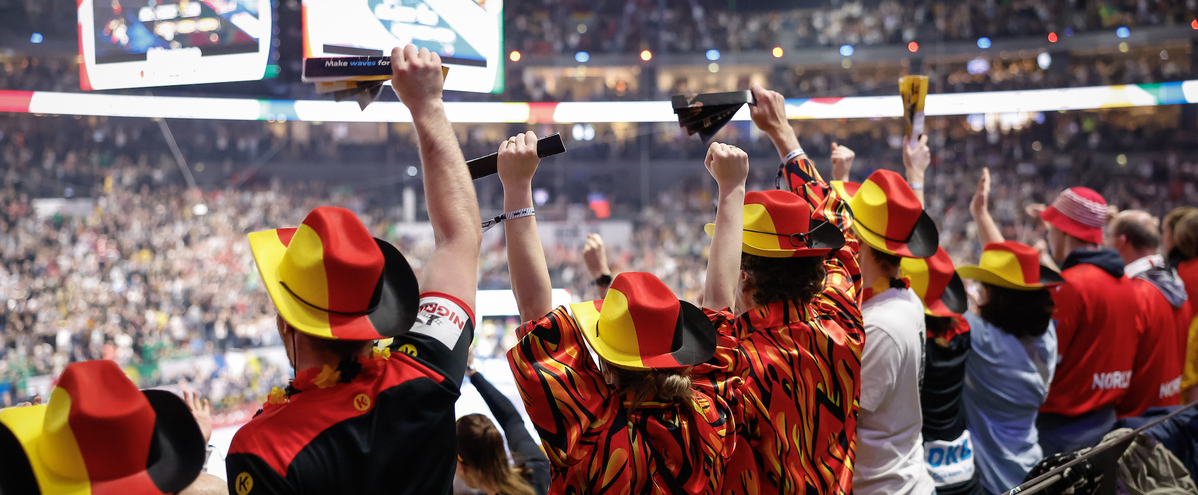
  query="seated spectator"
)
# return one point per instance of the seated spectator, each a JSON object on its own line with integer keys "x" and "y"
{"x": 99, "y": 434}
{"x": 483, "y": 462}
{"x": 1096, "y": 325}
{"x": 1162, "y": 308}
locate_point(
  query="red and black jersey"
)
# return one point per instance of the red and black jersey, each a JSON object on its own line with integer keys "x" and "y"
{"x": 391, "y": 429}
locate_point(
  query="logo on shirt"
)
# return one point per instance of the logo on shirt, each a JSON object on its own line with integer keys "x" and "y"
{"x": 362, "y": 402}
{"x": 244, "y": 484}
{"x": 1171, "y": 388}
{"x": 408, "y": 349}
{"x": 950, "y": 462}
{"x": 433, "y": 313}
{"x": 1111, "y": 380}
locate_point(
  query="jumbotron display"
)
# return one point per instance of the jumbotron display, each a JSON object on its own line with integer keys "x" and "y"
{"x": 467, "y": 34}
{"x": 143, "y": 43}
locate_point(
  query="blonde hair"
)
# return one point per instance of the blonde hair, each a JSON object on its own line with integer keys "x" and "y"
{"x": 664, "y": 385}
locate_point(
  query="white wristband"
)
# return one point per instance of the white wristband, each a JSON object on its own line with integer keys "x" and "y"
{"x": 793, "y": 154}
{"x": 511, "y": 215}
{"x": 917, "y": 186}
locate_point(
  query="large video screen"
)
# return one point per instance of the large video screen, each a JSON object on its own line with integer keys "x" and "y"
{"x": 468, "y": 34}
{"x": 141, "y": 43}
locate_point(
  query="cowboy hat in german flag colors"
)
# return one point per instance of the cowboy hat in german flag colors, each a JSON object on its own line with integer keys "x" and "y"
{"x": 330, "y": 279}
{"x": 888, "y": 215}
{"x": 641, "y": 325}
{"x": 778, "y": 224}
{"x": 1012, "y": 265}
{"x": 100, "y": 435}
{"x": 936, "y": 283}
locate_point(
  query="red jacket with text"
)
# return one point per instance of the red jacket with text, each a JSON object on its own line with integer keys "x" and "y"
{"x": 1164, "y": 329}
{"x": 1097, "y": 329}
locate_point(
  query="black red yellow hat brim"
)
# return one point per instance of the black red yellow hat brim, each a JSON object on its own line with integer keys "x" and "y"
{"x": 175, "y": 461}
{"x": 694, "y": 339}
{"x": 823, "y": 238}
{"x": 923, "y": 242}
{"x": 393, "y": 312}
{"x": 953, "y": 302}
{"x": 1048, "y": 278}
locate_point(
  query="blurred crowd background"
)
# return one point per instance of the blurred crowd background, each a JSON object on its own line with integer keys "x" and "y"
{"x": 112, "y": 247}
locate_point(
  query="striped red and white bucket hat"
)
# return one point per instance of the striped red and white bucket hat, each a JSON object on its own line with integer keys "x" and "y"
{"x": 1079, "y": 212}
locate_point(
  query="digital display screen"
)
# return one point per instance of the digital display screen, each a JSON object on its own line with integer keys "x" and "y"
{"x": 141, "y": 43}
{"x": 467, "y": 34}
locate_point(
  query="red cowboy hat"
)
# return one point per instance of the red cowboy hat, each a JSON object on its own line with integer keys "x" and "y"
{"x": 330, "y": 279}
{"x": 641, "y": 325}
{"x": 1080, "y": 212}
{"x": 778, "y": 224}
{"x": 888, "y": 216}
{"x": 937, "y": 284}
{"x": 1012, "y": 265}
{"x": 100, "y": 435}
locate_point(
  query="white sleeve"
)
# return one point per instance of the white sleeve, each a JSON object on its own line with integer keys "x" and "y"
{"x": 880, "y": 363}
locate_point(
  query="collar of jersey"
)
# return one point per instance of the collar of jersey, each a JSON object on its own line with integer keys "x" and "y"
{"x": 777, "y": 314}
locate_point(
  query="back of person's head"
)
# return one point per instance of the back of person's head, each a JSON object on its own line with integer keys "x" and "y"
{"x": 1185, "y": 235}
{"x": 1022, "y": 313}
{"x": 783, "y": 279}
{"x": 482, "y": 455}
{"x": 1138, "y": 229}
{"x": 657, "y": 385}
{"x": 888, "y": 262}
{"x": 938, "y": 326}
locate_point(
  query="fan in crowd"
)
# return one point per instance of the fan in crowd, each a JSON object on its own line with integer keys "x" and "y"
{"x": 836, "y": 350}
{"x": 351, "y": 417}
{"x": 482, "y": 461}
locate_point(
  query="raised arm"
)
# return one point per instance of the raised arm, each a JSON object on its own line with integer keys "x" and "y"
{"x": 769, "y": 114}
{"x": 594, "y": 254}
{"x": 916, "y": 158}
{"x": 448, "y": 189}
{"x": 525, "y": 256}
{"x": 987, "y": 230}
{"x": 842, "y": 162}
{"x": 729, "y": 166}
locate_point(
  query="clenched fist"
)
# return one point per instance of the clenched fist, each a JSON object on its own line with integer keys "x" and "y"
{"x": 518, "y": 160}
{"x": 729, "y": 165}
{"x": 416, "y": 77}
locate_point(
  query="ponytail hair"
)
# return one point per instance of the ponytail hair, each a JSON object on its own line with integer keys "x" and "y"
{"x": 481, "y": 448}
{"x": 664, "y": 385}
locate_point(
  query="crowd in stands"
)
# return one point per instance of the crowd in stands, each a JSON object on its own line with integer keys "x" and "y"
{"x": 180, "y": 283}
{"x": 616, "y": 27}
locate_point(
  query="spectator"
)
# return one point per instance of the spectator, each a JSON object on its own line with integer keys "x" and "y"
{"x": 946, "y": 440}
{"x": 635, "y": 401}
{"x": 891, "y": 225}
{"x": 100, "y": 434}
{"x": 1095, "y": 322}
{"x": 1179, "y": 243}
{"x": 337, "y": 289}
{"x": 1009, "y": 370}
{"x": 1162, "y": 308}
{"x": 787, "y": 328}
{"x": 482, "y": 461}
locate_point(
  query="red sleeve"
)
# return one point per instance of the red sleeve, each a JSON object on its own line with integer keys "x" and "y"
{"x": 842, "y": 290}
{"x": 563, "y": 390}
{"x": 1067, "y": 315}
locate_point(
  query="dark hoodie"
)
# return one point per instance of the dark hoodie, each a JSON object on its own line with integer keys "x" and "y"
{"x": 1107, "y": 259}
